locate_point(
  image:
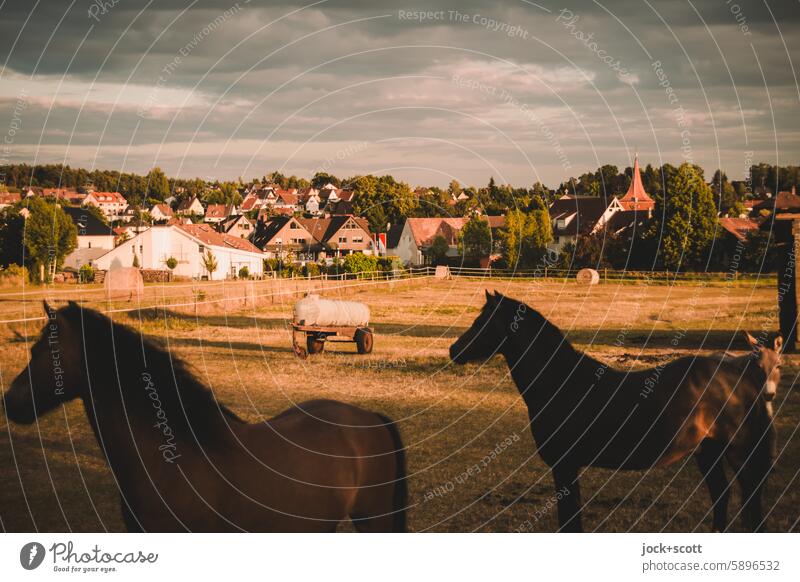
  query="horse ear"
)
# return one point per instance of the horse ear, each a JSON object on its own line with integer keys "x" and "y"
{"x": 751, "y": 340}
{"x": 778, "y": 343}
{"x": 47, "y": 309}
{"x": 490, "y": 300}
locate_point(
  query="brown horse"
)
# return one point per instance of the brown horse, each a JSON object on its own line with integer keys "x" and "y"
{"x": 584, "y": 413}
{"x": 184, "y": 462}
{"x": 763, "y": 361}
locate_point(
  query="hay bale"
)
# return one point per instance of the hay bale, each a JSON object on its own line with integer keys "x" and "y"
{"x": 124, "y": 283}
{"x": 313, "y": 310}
{"x": 442, "y": 272}
{"x": 588, "y": 277}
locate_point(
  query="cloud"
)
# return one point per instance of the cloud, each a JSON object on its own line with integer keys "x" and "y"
{"x": 241, "y": 88}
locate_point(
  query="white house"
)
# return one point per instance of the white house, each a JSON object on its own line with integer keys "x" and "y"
{"x": 188, "y": 244}
{"x": 93, "y": 233}
{"x": 111, "y": 204}
{"x": 192, "y": 206}
{"x": 161, "y": 212}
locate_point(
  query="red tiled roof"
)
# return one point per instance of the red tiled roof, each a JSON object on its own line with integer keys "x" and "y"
{"x": 211, "y": 237}
{"x": 108, "y": 197}
{"x": 9, "y": 198}
{"x": 424, "y": 230}
{"x": 739, "y": 227}
{"x": 217, "y": 211}
{"x": 164, "y": 209}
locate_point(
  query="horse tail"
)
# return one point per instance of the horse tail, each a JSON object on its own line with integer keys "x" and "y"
{"x": 401, "y": 484}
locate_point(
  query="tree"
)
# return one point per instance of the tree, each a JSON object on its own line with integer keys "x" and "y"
{"x": 525, "y": 237}
{"x": 437, "y": 252}
{"x": 475, "y": 238}
{"x": 49, "y": 235}
{"x": 136, "y": 264}
{"x": 689, "y": 219}
{"x": 12, "y": 245}
{"x": 725, "y": 197}
{"x": 382, "y": 199}
{"x": 157, "y": 184}
{"x": 210, "y": 263}
{"x": 322, "y": 178}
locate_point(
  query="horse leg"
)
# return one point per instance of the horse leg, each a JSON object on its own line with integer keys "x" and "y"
{"x": 710, "y": 457}
{"x": 569, "y": 501}
{"x": 752, "y": 468}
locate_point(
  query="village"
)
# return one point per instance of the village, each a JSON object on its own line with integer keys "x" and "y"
{"x": 269, "y": 229}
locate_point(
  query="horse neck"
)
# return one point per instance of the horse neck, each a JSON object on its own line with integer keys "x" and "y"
{"x": 136, "y": 411}
{"x": 539, "y": 363}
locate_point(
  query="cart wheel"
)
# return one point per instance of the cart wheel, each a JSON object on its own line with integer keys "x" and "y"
{"x": 364, "y": 340}
{"x": 314, "y": 344}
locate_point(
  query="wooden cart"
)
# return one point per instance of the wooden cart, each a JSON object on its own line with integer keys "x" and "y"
{"x": 310, "y": 339}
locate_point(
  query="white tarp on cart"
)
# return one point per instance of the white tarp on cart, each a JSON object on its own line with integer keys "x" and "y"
{"x": 313, "y": 310}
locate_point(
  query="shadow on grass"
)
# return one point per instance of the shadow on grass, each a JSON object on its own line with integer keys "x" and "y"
{"x": 718, "y": 339}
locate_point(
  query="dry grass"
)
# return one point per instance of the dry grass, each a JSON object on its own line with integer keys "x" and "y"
{"x": 451, "y": 417}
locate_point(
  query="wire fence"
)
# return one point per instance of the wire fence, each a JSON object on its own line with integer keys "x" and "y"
{"x": 272, "y": 287}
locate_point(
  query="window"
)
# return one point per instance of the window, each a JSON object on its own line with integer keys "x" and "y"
{"x": 294, "y": 226}
{"x": 342, "y": 239}
{"x": 358, "y": 239}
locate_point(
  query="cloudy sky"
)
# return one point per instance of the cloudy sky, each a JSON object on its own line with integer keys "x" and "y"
{"x": 517, "y": 89}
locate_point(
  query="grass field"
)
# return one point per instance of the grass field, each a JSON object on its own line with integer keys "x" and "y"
{"x": 55, "y": 478}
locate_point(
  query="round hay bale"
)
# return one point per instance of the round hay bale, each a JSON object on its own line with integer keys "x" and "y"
{"x": 124, "y": 283}
{"x": 588, "y": 277}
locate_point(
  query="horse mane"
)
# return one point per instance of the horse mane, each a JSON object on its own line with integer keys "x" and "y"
{"x": 124, "y": 353}
{"x": 546, "y": 330}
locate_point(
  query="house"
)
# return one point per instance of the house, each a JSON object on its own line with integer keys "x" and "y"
{"x": 238, "y": 225}
{"x": 282, "y": 235}
{"x": 341, "y": 235}
{"x": 9, "y": 199}
{"x": 70, "y": 195}
{"x": 92, "y": 232}
{"x": 411, "y": 241}
{"x": 574, "y": 216}
{"x": 739, "y": 228}
{"x": 314, "y": 239}
{"x": 161, "y": 212}
{"x": 417, "y": 234}
{"x": 287, "y": 199}
{"x": 189, "y": 245}
{"x": 111, "y": 204}
{"x": 191, "y": 207}
{"x": 216, "y": 213}
{"x": 95, "y": 238}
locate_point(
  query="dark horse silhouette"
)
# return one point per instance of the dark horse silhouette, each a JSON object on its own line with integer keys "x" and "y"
{"x": 584, "y": 413}
{"x": 183, "y": 461}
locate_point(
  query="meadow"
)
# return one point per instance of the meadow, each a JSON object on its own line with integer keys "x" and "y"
{"x": 471, "y": 460}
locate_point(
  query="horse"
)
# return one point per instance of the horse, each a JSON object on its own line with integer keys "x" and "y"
{"x": 183, "y": 461}
{"x": 764, "y": 361}
{"x": 583, "y": 413}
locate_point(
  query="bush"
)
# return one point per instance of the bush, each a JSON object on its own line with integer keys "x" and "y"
{"x": 310, "y": 270}
{"x": 13, "y": 275}
{"x": 171, "y": 263}
{"x": 244, "y": 273}
{"x": 361, "y": 264}
{"x": 86, "y": 274}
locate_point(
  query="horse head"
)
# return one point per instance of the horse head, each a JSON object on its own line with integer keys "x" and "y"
{"x": 769, "y": 360}
{"x": 53, "y": 375}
